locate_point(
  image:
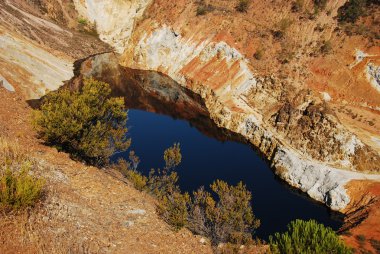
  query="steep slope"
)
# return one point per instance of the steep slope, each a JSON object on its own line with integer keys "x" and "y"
{"x": 85, "y": 209}
{"x": 277, "y": 108}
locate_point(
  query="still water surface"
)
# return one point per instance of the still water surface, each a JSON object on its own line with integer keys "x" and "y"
{"x": 205, "y": 159}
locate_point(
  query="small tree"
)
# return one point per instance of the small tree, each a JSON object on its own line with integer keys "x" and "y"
{"x": 129, "y": 170}
{"x": 351, "y": 10}
{"x": 164, "y": 182}
{"x": 228, "y": 219}
{"x": 88, "y": 123}
{"x": 173, "y": 208}
{"x": 242, "y": 5}
{"x": 320, "y": 4}
{"x": 307, "y": 237}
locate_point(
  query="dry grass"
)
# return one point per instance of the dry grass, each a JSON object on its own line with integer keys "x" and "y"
{"x": 19, "y": 188}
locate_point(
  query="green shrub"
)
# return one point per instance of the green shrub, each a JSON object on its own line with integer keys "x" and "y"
{"x": 375, "y": 244}
{"x": 163, "y": 182}
{"x": 19, "y": 189}
{"x": 361, "y": 238}
{"x": 82, "y": 21}
{"x": 326, "y": 47}
{"x": 307, "y": 237}
{"x": 320, "y": 4}
{"x": 258, "y": 54}
{"x": 281, "y": 27}
{"x": 87, "y": 123}
{"x": 173, "y": 208}
{"x": 351, "y": 11}
{"x": 130, "y": 172}
{"x": 228, "y": 219}
{"x": 201, "y": 10}
{"x": 286, "y": 55}
{"x": 172, "y": 156}
{"x": 242, "y": 5}
{"x": 297, "y": 5}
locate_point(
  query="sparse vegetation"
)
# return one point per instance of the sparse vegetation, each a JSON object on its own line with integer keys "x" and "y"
{"x": 258, "y": 55}
{"x": 87, "y": 123}
{"x": 281, "y": 27}
{"x": 229, "y": 218}
{"x": 163, "y": 182}
{"x": 129, "y": 171}
{"x": 203, "y": 8}
{"x": 320, "y": 4}
{"x": 351, "y": 10}
{"x": 286, "y": 55}
{"x": 375, "y": 244}
{"x": 243, "y": 5}
{"x": 82, "y": 21}
{"x": 308, "y": 237}
{"x": 18, "y": 187}
{"x": 297, "y": 5}
{"x": 173, "y": 208}
{"x": 361, "y": 238}
{"x": 326, "y": 47}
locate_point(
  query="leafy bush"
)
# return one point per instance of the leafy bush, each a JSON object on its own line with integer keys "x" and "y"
{"x": 82, "y": 21}
{"x": 18, "y": 188}
{"x": 129, "y": 170}
{"x": 203, "y": 8}
{"x": 173, "y": 208}
{"x": 258, "y": 54}
{"x": 307, "y": 237}
{"x": 242, "y": 5}
{"x": 286, "y": 55}
{"x": 228, "y": 219}
{"x": 281, "y": 27}
{"x": 88, "y": 123}
{"x": 297, "y": 5}
{"x": 326, "y": 47}
{"x": 375, "y": 244}
{"x": 320, "y": 4}
{"x": 164, "y": 182}
{"x": 172, "y": 204}
{"x": 351, "y": 10}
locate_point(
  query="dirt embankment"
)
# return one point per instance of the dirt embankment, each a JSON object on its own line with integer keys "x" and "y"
{"x": 85, "y": 209}
{"x": 361, "y": 228}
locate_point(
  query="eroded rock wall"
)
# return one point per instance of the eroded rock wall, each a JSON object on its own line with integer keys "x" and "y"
{"x": 114, "y": 19}
{"x": 307, "y": 144}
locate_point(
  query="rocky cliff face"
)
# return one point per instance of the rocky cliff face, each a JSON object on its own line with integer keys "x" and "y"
{"x": 280, "y": 109}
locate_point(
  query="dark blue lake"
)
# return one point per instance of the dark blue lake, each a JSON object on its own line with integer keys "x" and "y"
{"x": 205, "y": 159}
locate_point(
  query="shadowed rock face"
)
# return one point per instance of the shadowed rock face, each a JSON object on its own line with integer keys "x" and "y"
{"x": 151, "y": 91}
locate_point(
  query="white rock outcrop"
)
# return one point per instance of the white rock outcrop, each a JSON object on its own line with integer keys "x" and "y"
{"x": 114, "y": 19}
{"x": 185, "y": 61}
{"x": 32, "y": 64}
{"x": 373, "y": 75}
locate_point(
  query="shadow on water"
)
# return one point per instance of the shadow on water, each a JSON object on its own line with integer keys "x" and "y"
{"x": 162, "y": 112}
